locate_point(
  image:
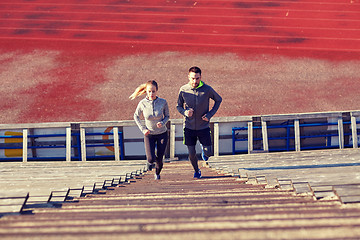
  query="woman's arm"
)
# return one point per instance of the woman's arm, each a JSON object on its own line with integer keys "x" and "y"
{"x": 138, "y": 122}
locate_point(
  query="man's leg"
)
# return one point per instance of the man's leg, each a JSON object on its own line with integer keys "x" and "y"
{"x": 190, "y": 139}
{"x": 206, "y": 152}
{"x": 205, "y": 142}
{"x": 193, "y": 158}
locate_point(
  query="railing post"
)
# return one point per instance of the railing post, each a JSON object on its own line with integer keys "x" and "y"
{"x": 68, "y": 144}
{"x": 116, "y": 143}
{"x": 25, "y": 145}
{"x": 264, "y": 136}
{"x": 341, "y": 133}
{"x": 250, "y": 137}
{"x": 354, "y": 132}
{"x": 172, "y": 140}
{"x": 83, "y": 144}
{"x": 216, "y": 139}
{"x": 297, "y": 135}
{"x": 233, "y": 141}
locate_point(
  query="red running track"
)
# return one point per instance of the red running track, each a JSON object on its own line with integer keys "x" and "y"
{"x": 301, "y": 25}
{"x": 78, "y": 29}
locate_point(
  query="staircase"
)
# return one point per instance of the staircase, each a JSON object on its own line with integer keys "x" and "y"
{"x": 218, "y": 206}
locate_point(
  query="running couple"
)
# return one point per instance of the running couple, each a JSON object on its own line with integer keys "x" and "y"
{"x": 193, "y": 103}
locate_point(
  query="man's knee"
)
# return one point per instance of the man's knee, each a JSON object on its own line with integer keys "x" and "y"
{"x": 208, "y": 151}
{"x": 192, "y": 152}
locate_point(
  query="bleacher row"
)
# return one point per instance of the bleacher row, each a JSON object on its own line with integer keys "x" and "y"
{"x": 45, "y": 184}
{"x": 324, "y": 174}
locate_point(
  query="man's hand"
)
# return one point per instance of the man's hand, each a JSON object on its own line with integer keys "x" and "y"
{"x": 190, "y": 112}
{"x": 205, "y": 118}
{"x": 159, "y": 125}
{"x": 146, "y": 132}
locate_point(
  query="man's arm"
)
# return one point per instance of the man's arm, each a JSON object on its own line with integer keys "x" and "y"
{"x": 180, "y": 104}
{"x": 217, "y": 99}
{"x": 181, "y": 109}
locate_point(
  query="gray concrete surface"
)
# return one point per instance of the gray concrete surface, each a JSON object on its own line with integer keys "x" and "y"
{"x": 54, "y": 181}
{"x": 308, "y": 171}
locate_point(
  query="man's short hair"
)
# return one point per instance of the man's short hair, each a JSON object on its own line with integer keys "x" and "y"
{"x": 195, "y": 70}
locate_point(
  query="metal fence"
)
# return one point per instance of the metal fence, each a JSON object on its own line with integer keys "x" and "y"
{"x": 119, "y": 140}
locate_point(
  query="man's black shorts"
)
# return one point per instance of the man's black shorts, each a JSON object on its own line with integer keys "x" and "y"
{"x": 191, "y": 136}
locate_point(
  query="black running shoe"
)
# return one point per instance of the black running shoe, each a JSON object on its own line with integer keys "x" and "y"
{"x": 150, "y": 166}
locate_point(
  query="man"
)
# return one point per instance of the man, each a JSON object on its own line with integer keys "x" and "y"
{"x": 193, "y": 103}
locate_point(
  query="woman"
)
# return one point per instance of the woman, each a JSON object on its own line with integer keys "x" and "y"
{"x": 156, "y": 114}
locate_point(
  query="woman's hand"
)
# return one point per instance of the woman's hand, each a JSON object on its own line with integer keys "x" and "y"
{"x": 146, "y": 132}
{"x": 159, "y": 125}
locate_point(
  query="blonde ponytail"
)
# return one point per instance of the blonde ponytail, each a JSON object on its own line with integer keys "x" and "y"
{"x": 140, "y": 90}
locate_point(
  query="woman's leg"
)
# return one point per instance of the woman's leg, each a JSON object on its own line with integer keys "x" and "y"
{"x": 161, "y": 144}
{"x": 149, "y": 143}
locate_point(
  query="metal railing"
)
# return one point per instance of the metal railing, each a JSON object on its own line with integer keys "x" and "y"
{"x": 23, "y": 145}
{"x": 123, "y": 140}
{"x": 300, "y": 132}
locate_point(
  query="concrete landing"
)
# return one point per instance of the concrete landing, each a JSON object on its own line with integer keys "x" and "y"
{"x": 217, "y": 206}
{"x": 322, "y": 173}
